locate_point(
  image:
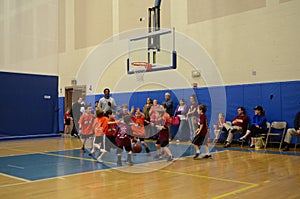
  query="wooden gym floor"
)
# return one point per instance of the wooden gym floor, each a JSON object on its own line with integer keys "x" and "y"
{"x": 55, "y": 168}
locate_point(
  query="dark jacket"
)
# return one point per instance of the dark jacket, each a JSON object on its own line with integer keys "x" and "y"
{"x": 297, "y": 121}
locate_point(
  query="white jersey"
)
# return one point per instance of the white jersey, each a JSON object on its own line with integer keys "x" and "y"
{"x": 104, "y": 104}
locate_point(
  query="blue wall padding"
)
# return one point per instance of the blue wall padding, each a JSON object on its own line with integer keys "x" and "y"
{"x": 61, "y": 105}
{"x": 271, "y": 99}
{"x": 24, "y": 110}
{"x": 281, "y": 100}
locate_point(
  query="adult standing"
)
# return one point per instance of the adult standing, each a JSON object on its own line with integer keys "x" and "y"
{"x": 76, "y": 114}
{"x": 107, "y": 102}
{"x": 146, "y": 110}
{"x": 183, "y": 130}
{"x": 291, "y": 132}
{"x": 192, "y": 114}
{"x": 169, "y": 109}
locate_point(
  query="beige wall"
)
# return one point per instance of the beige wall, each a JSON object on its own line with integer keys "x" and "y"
{"x": 29, "y": 36}
{"x": 240, "y": 37}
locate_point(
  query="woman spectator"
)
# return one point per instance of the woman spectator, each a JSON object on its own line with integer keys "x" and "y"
{"x": 258, "y": 125}
{"x": 183, "y": 130}
{"x": 153, "y": 119}
{"x": 192, "y": 115}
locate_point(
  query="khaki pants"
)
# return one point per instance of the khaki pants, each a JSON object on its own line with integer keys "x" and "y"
{"x": 231, "y": 131}
{"x": 289, "y": 134}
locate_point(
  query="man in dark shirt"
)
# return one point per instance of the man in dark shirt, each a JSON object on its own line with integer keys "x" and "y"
{"x": 291, "y": 132}
{"x": 239, "y": 125}
{"x": 75, "y": 114}
{"x": 169, "y": 110}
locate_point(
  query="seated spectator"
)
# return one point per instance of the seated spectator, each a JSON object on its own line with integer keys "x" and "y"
{"x": 292, "y": 131}
{"x": 239, "y": 125}
{"x": 218, "y": 127}
{"x": 258, "y": 125}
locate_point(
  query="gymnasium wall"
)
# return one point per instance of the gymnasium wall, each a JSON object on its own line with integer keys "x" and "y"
{"x": 28, "y": 105}
{"x": 281, "y": 100}
{"x": 249, "y": 41}
{"x": 29, "y": 36}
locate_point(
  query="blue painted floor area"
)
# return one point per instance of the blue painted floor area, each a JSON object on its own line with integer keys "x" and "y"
{"x": 60, "y": 163}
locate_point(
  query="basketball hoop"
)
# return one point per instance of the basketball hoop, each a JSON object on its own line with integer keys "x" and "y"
{"x": 140, "y": 68}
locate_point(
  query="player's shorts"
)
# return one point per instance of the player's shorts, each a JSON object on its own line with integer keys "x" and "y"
{"x": 86, "y": 136}
{"x": 127, "y": 148}
{"x": 110, "y": 142}
{"x": 68, "y": 122}
{"x": 199, "y": 140}
{"x": 162, "y": 143}
{"x": 99, "y": 140}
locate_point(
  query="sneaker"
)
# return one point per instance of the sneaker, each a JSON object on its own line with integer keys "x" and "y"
{"x": 196, "y": 156}
{"x": 99, "y": 160}
{"x": 207, "y": 156}
{"x": 227, "y": 144}
{"x": 252, "y": 146}
{"x": 170, "y": 159}
{"x": 157, "y": 157}
{"x": 82, "y": 150}
{"x": 286, "y": 148}
{"x": 103, "y": 150}
{"x": 241, "y": 139}
{"x": 130, "y": 163}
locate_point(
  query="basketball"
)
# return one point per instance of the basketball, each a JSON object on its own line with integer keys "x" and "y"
{"x": 136, "y": 148}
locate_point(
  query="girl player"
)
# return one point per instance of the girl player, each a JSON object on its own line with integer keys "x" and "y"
{"x": 162, "y": 124}
{"x": 201, "y": 132}
{"x": 100, "y": 126}
{"x": 138, "y": 127}
{"x": 86, "y": 125}
{"x": 123, "y": 139}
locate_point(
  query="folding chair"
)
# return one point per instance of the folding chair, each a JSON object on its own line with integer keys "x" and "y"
{"x": 277, "y": 129}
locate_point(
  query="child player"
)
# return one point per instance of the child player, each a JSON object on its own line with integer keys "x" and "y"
{"x": 201, "y": 132}
{"x": 162, "y": 124}
{"x": 138, "y": 128}
{"x": 86, "y": 125}
{"x": 110, "y": 140}
{"x": 100, "y": 126}
{"x": 123, "y": 139}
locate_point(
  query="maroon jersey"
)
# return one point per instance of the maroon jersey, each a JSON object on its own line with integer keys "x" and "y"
{"x": 245, "y": 119}
{"x": 163, "y": 134}
{"x": 123, "y": 135}
{"x": 203, "y": 121}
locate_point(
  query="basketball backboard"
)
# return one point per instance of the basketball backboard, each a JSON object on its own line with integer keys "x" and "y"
{"x": 155, "y": 48}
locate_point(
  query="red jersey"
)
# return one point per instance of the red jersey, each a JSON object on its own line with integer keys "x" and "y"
{"x": 138, "y": 126}
{"x": 245, "y": 119}
{"x": 203, "y": 121}
{"x": 123, "y": 135}
{"x": 67, "y": 116}
{"x": 112, "y": 127}
{"x": 163, "y": 134}
{"x": 86, "y": 122}
{"x": 100, "y": 125}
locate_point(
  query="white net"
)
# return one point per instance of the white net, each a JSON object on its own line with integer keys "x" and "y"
{"x": 139, "y": 72}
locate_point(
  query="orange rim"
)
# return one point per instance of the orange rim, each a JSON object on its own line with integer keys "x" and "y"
{"x": 145, "y": 64}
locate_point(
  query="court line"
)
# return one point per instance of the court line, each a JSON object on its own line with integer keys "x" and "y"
{"x": 14, "y": 177}
{"x": 251, "y": 185}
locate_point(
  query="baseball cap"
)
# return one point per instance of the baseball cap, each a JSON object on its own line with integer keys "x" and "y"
{"x": 260, "y": 108}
